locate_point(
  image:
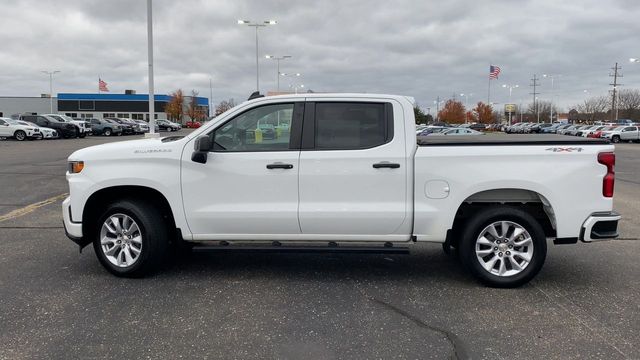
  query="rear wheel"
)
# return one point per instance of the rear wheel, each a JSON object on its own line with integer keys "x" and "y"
{"x": 615, "y": 139}
{"x": 20, "y": 135}
{"x": 503, "y": 246}
{"x": 130, "y": 238}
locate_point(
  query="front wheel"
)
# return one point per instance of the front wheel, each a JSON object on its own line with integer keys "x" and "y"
{"x": 82, "y": 135}
{"x": 20, "y": 135}
{"x": 503, "y": 246}
{"x": 130, "y": 238}
{"x": 106, "y": 132}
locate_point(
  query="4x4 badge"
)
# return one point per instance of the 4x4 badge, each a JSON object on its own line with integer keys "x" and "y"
{"x": 564, "y": 149}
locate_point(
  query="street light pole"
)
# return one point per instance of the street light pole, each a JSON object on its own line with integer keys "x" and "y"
{"x": 551, "y": 76}
{"x": 277, "y": 59}
{"x": 50, "y": 73}
{"x": 466, "y": 104}
{"x": 256, "y": 26}
{"x": 510, "y": 87}
{"x": 152, "y": 114}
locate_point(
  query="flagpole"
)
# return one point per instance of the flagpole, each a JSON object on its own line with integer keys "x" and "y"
{"x": 489, "y": 87}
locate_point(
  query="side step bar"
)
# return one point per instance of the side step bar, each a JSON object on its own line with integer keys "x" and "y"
{"x": 304, "y": 249}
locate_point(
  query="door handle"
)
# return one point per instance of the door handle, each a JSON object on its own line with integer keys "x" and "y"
{"x": 385, "y": 164}
{"x": 279, "y": 165}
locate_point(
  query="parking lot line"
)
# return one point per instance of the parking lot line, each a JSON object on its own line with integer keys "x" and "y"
{"x": 31, "y": 208}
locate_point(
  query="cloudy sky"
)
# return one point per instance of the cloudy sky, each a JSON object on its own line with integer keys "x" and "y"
{"x": 424, "y": 49}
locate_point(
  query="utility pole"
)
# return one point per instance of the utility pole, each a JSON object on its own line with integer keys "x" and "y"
{"x": 615, "y": 76}
{"x": 437, "y": 107}
{"x": 534, "y": 84}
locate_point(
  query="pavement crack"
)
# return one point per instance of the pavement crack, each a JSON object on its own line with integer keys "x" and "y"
{"x": 459, "y": 350}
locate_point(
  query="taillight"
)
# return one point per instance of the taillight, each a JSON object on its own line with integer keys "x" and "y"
{"x": 609, "y": 160}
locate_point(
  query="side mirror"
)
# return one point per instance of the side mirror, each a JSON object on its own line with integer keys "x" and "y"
{"x": 201, "y": 149}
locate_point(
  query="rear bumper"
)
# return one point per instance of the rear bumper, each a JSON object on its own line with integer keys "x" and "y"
{"x": 73, "y": 230}
{"x": 600, "y": 226}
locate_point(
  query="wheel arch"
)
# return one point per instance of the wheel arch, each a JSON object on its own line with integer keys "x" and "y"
{"x": 534, "y": 203}
{"x": 93, "y": 206}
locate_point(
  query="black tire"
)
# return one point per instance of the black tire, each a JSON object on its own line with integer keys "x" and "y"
{"x": 615, "y": 139}
{"x": 155, "y": 237}
{"x": 473, "y": 229}
{"x": 107, "y": 132}
{"x": 82, "y": 135}
{"x": 169, "y": 129}
{"x": 20, "y": 135}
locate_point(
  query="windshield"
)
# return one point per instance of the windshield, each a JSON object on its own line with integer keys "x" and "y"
{"x": 58, "y": 117}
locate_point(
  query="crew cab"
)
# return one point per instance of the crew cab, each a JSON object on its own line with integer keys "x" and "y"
{"x": 350, "y": 175}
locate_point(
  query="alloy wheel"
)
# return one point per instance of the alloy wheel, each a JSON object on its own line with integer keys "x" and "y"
{"x": 504, "y": 248}
{"x": 121, "y": 240}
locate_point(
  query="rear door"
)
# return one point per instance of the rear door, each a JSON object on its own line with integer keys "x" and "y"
{"x": 353, "y": 171}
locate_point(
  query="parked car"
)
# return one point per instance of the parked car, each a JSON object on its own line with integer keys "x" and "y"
{"x": 18, "y": 129}
{"x": 45, "y": 133}
{"x": 477, "y": 127}
{"x": 105, "y": 127}
{"x": 127, "y": 128}
{"x": 550, "y": 129}
{"x": 268, "y": 131}
{"x": 432, "y": 130}
{"x": 64, "y": 129}
{"x": 356, "y": 176}
{"x": 143, "y": 126}
{"x": 458, "y": 131}
{"x": 584, "y": 132}
{"x": 598, "y": 133}
{"x": 168, "y": 125}
{"x": 193, "y": 124}
{"x": 84, "y": 128}
{"x": 622, "y": 133}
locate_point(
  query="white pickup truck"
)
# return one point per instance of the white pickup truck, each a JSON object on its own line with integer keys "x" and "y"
{"x": 340, "y": 172}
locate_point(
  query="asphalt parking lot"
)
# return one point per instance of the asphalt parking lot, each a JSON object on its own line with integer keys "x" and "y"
{"x": 57, "y": 303}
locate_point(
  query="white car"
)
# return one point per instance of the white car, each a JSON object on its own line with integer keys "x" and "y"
{"x": 622, "y": 133}
{"x": 351, "y": 174}
{"x": 457, "y": 131}
{"x": 13, "y": 128}
{"x": 47, "y": 133}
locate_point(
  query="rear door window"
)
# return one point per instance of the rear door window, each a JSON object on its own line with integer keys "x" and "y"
{"x": 347, "y": 125}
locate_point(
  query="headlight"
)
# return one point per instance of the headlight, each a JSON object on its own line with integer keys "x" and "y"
{"x": 75, "y": 167}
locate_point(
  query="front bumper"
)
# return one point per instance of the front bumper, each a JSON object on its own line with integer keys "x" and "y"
{"x": 73, "y": 230}
{"x": 600, "y": 226}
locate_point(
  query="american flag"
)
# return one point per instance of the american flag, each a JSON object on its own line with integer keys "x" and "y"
{"x": 102, "y": 86}
{"x": 494, "y": 71}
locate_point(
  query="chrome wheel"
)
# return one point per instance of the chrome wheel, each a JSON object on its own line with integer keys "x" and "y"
{"x": 504, "y": 248}
{"x": 121, "y": 240}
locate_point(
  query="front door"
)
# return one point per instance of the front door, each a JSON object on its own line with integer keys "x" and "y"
{"x": 248, "y": 188}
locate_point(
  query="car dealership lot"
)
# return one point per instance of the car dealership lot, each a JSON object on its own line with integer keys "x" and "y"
{"x": 57, "y": 303}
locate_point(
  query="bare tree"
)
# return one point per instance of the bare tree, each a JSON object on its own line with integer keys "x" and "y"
{"x": 544, "y": 108}
{"x": 224, "y": 105}
{"x": 629, "y": 104}
{"x": 593, "y": 108}
{"x": 194, "y": 111}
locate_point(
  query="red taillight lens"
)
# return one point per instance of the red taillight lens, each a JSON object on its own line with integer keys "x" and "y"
{"x": 609, "y": 160}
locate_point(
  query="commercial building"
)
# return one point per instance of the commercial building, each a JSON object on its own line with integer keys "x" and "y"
{"x": 130, "y": 105}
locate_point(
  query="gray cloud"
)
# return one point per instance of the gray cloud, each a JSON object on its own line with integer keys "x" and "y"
{"x": 422, "y": 49}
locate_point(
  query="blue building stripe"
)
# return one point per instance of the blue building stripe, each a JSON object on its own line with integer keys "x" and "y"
{"x": 202, "y": 101}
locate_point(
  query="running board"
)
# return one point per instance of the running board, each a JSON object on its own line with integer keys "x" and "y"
{"x": 304, "y": 249}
